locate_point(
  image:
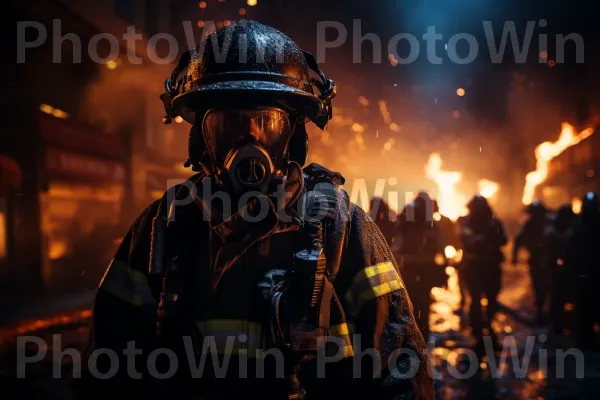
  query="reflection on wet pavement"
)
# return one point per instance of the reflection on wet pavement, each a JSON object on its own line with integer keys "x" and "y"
{"x": 533, "y": 364}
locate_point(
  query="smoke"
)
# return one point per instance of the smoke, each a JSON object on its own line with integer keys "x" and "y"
{"x": 125, "y": 98}
{"x": 391, "y": 135}
{"x": 375, "y": 140}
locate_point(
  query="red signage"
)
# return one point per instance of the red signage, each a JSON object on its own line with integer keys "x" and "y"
{"x": 66, "y": 165}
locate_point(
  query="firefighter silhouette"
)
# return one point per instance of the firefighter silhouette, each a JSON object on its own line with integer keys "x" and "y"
{"x": 482, "y": 236}
{"x": 384, "y": 217}
{"x": 583, "y": 256}
{"x": 532, "y": 236}
{"x": 419, "y": 245}
{"x": 563, "y": 280}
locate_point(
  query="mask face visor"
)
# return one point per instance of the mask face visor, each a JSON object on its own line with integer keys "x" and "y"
{"x": 227, "y": 129}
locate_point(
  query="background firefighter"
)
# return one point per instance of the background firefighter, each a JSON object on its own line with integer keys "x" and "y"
{"x": 564, "y": 281}
{"x": 532, "y": 236}
{"x": 220, "y": 276}
{"x": 419, "y": 245}
{"x": 385, "y": 218}
{"x": 482, "y": 238}
{"x": 583, "y": 256}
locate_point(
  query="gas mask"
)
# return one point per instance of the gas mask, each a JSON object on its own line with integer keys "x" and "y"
{"x": 247, "y": 147}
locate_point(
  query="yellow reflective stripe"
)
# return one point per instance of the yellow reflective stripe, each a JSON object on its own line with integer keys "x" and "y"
{"x": 370, "y": 283}
{"x": 374, "y": 270}
{"x": 231, "y": 335}
{"x": 127, "y": 284}
{"x": 381, "y": 290}
{"x": 240, "y": 325}
{"x": 234, "y": 350}
{"x": 348, "y": 351}
{"x": 122, "y": 293}
{"x": 341, "y": 331}
{"x": 338, "y": 330}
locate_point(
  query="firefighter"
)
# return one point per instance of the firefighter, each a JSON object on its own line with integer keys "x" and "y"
{"x": 257, "y": 265}
{"x": 419, "y": 245}
{"x": 583, "y": 256}
{"x": 482, "y": 236}
{"x": 563, "y": 280}
{"x": 384, "y": 217}
{"x": 532, "y": 236}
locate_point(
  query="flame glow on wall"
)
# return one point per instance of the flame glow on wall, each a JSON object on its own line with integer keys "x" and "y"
{"x": 545, "y": 152}
{"x": 451, "y": 200}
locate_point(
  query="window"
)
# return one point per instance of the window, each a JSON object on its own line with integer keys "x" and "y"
{"x": 126, "y": 10}
{"x": 80, "y": 224}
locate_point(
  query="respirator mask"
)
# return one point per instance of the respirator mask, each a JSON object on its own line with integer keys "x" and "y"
{"x": 247, "y": 147}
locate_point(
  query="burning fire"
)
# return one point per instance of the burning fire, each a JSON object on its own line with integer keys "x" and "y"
{"x": 488, "y": 188}
{"x": 546, "y": 152}
{"x": 451, "y": 201}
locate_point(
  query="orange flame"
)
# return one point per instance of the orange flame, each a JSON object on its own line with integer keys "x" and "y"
{"x": 487, "y": 188}
{"x": 546, "y": 152}
{"x": 451, "y": 202}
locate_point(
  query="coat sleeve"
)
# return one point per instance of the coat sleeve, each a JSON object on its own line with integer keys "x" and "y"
{"x": 380, "y": 314}
{"x": 123, "y": 313}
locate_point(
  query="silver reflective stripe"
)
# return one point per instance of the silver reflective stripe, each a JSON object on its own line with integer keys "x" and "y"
{"x": 127, "y": 284}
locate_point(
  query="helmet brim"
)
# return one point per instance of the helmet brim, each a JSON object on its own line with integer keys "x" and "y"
{"x": 247, "y": 91}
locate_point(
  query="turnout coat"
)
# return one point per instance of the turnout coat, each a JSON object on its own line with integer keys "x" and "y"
{"x": 218, "y": 260}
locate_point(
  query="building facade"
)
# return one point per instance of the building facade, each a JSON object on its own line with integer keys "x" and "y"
{"x": 82, "y": 146}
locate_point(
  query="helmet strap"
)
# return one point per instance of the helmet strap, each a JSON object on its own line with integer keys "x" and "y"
{"x": 172, "y": 86}
{"x": 327, "y": 91}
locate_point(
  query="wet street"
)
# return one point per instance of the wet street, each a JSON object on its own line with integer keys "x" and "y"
{"x": 531, "y": 365}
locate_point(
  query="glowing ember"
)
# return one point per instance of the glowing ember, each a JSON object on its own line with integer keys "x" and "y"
{"x": 383, "y": 109}
{"x": 576, "y": 205}
{"x": 389, "y": 145}
{"x": 488, "y": 189}
{"x": 450, "y": 201}
{"x": 546, "y": 152}
{"x": 450, "y": 252}
{"x": 358, "y": 128}
{"x": 57, "y": 250}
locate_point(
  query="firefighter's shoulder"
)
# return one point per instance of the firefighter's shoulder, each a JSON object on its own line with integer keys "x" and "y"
{"x": 316, "y": 173}
{"x": 323, "y": 196}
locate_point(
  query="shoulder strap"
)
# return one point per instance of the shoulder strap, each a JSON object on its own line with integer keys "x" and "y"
{"x": 324, "y": 200}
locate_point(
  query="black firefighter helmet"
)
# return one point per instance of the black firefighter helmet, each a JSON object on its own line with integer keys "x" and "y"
{"x": 479, "y": 207}
{"x": 536, "y": 209}
{"x": 248, "y": 63}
